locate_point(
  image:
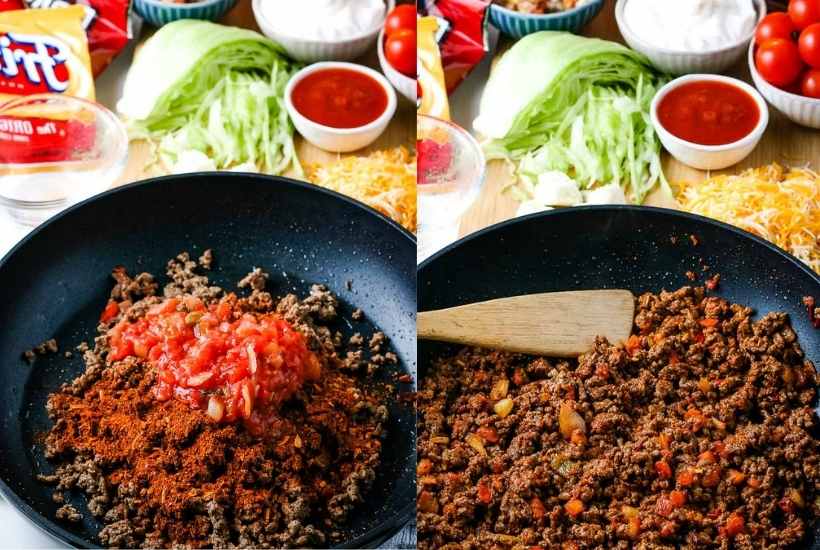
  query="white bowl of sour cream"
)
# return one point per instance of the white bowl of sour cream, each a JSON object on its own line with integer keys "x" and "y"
{"x": 690, "y": 36}
{"x": 322, "y": 30}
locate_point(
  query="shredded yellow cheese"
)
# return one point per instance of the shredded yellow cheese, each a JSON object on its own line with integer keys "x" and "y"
{"x": 384, "y": 180}
{"x": 780, "y": 205}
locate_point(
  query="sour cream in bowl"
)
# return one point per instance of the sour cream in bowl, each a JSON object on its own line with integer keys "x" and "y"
{"x": 689, "y": 36}
{"x": 322, "y": 30}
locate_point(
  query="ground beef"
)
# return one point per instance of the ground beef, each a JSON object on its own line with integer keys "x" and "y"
{"x": 160, "y": 474}
{"x": 68, "y": 513}
{"x": 44, "y": 348}
{"x": 698, "y": 432}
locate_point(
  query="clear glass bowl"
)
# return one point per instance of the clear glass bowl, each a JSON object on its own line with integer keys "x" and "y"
{"x": 55, "y": 151}
{"x": 448, "y": 183}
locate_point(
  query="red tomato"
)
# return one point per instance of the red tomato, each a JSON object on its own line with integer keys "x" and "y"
{"x": 810, "y": 83}
{"x": 778, "y": 61}
{"x": 401, "y": 18}
{"x": 774, "y": 25}
{"x": 804, "y": 12}
{"x": 111, "y": 310}
{"x": 809, "y": 45}
{"x": 400, "y": 50}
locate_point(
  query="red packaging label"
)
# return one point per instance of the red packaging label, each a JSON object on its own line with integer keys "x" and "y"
{"x": 464, "y": 41}
{"x": 33, "y": 64}
{"x": 30, "y": 139}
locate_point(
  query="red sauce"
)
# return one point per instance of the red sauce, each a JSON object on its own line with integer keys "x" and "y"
{"x": 236, "y": 364}
{"x": 339, "y": 98}
{"x": 709, "y": 112}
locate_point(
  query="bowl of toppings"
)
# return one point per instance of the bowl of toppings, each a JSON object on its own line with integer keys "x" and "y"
{"x": 784, "y": 61}
{"x": 240, "y": 382}
{"x": 340, "y": 106}
{"x": 397, "y": 50}
{"x": 517, "y": 18}
{"x": 709, "y": 122}
{"x": 322, "y": 31}
{"x": 689, "y": 37}
{"x": 160, "y": 12}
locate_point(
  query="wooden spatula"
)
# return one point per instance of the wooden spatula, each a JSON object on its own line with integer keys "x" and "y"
{"x": 556, "y": 324}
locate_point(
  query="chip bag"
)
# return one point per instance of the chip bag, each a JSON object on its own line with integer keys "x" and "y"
{"x": 463, "y": 35}
{"x": 432, "y": 91}
{"x": 44, "y": 51}
{"x": 105, "y": 23}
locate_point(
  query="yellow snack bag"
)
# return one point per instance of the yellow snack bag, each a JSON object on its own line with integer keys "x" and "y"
{"x": 433, "y": 92}
{"x": 44, "y": 51}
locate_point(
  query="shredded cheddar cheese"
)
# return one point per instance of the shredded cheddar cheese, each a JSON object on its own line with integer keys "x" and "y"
{"x": 384, "y": 180}
{"x": 778, "y": 204}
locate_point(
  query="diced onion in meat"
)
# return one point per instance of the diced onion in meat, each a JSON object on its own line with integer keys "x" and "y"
{"x": 477, "y": 444}
{"x": 500, "y": 389}
{"x": 504, "y": 407}
{"x": 216, "y": 409}
{"x": 569, "y": 420}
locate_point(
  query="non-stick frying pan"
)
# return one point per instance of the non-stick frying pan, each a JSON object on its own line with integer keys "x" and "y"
{"x": 56, "y": 282}
{"x": 637, "y": 248}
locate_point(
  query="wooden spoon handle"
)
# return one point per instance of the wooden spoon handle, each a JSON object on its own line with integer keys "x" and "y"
{"x": 558, "y": 324}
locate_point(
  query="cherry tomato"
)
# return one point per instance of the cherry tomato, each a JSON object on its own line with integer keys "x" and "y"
{"x": 810, "y": 83}
{"x": 804, "y": 12}
{"x": 400, "y": 50}
{"x": 774, "y": 25}
{"x": 401, "y": 18}
{"x": 809, "y": 45}
{"x": 778, "y": 61}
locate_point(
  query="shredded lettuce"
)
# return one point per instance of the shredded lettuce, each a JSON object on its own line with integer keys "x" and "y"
{"x": 557, "y": 101}
{"x": 200, "y": 86}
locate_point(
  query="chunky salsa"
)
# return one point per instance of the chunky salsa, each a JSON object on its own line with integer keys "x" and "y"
{"x": 340, "y": 98}
{"x": 237, "y": 364}
{"x": 709, "y": 113}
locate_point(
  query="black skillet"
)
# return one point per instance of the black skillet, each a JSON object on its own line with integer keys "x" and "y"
{"x": 637, "y": 248}
{"x": 56, "y": 282}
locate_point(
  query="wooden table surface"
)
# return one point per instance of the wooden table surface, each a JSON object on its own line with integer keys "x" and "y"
{"x": 401, "y": 131}
{"x": 784, "y": 142}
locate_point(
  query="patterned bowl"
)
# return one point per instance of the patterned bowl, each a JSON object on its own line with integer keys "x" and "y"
{"x": 517, "y": 24}
{"x": 801, "y": 110}
{"x": 158, "y": 12}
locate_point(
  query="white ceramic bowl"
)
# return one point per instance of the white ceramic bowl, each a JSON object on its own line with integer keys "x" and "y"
{"x": 801, "y": 110}
{"x": 405, "y": 85}
{"x": 309, "y": 50}
{"x": 710, "y": 157}
{"x": 340, "y": 140}
{"x": 681, "y": 62}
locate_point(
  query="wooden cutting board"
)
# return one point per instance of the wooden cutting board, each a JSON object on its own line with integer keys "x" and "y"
{"x": 401, "y": 131}
{"x": 784, "y": 142}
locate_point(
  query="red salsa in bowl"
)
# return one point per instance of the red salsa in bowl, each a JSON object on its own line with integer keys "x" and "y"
{"x": 340, "y": 98}
{"x": 709, "y": 112}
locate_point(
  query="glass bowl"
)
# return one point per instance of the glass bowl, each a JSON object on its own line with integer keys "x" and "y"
{"x": 55, "y": 151}
{"x": 451, "y": 170}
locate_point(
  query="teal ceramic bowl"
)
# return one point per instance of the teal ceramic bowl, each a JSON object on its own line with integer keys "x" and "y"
{"x": 516, "y": 24}
{"x": 158, "y": 13}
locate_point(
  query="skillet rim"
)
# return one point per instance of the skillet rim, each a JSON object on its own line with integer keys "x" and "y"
{"x": 374, "y": 536}
{"x": 619, "y": 208}
{"x": 614, "y": 209}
